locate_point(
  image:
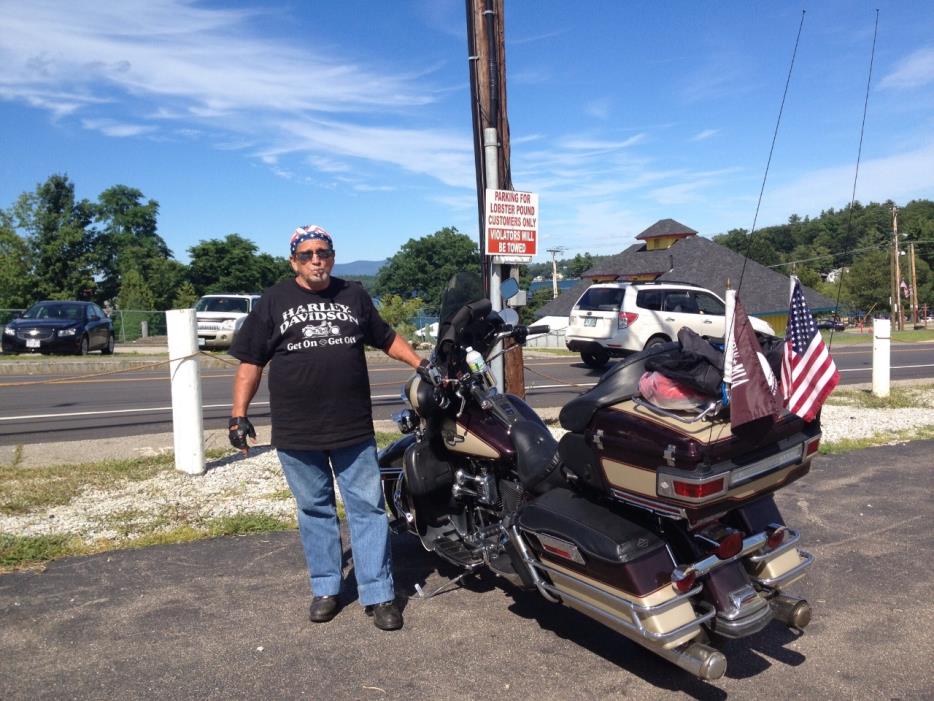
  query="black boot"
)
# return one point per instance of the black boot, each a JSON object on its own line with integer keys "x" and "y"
{"x": 386, "y": 616}
{"x": 323, "y": 609}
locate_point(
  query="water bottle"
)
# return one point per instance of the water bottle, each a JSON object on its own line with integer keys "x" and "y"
{"x": 475, "y": 361}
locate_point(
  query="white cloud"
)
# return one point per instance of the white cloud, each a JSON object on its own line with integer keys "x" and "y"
{"x": 136, "y": 66}
{"x": 599, "y": 108}
{"x": 111, "y": 127}
{"x": 902, "y": 177}
{"x": 704, "y": 135}
{"x": 914, "y": 71}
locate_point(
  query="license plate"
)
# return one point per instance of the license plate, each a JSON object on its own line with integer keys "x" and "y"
{"x": 590, "y": 321}
{"x": 32, "y": 343}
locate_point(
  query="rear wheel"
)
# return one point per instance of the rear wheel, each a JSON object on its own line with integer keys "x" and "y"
{"x": 656, "y": 341}
{"x": 83, "y": 347}
{"x": 109, "y": 348}
{"x": 597, "y": 359}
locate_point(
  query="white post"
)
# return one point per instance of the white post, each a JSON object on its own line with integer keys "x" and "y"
{"x": 881, "y": 356}
{"x": 490, "y": 159}
{"x": 185, "y": 374}
{"x": 729, "y": 335}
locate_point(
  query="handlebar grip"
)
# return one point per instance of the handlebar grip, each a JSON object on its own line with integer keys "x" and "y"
{"x": 541, "y": 328}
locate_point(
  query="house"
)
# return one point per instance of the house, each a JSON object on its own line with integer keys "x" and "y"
{"x": 669, "y": 251}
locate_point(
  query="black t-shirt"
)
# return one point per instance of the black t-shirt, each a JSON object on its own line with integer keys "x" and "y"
{"x": 319, "y": 390}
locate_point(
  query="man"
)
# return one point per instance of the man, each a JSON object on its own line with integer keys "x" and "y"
{"x": 312, "y": 330}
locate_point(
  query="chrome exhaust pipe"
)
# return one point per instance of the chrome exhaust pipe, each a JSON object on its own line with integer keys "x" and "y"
{"x": 793, "y": 612}
{"x": 700, "y": 660}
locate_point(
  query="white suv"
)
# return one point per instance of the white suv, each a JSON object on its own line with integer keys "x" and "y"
{"x": 220, "y": 316}
{"x": 619, "y": 318}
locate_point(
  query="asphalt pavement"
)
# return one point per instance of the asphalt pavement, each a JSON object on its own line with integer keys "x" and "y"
{"x": 227, "y": 618}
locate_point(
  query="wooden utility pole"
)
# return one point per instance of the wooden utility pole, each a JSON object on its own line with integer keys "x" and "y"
{"x": 486, "y": 48}
{"x": 897, "y": 318}
{"x": 554, "y": 270}
{"x": 914, "y": 286}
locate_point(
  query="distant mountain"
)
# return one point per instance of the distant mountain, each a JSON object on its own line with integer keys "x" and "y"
{"x": 358, "y": 267}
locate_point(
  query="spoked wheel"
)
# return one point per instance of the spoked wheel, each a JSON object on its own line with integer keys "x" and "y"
{"x": 595, "y": 360}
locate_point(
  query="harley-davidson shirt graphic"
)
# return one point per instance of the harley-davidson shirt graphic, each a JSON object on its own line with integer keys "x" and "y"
{"x": 313, "y": 342}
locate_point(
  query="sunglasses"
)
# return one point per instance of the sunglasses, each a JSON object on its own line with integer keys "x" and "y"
{"x": 322, "y": 253}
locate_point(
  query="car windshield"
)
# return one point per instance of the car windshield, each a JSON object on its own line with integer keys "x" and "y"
{"x": 602, "y": 299}
{"x": 55, "y": 310}
{"x": 237, "y": 305}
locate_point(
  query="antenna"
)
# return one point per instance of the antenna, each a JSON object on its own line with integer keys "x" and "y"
{"x": 554, "y": 269}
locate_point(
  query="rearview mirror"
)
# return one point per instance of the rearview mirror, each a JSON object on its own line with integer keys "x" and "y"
{"x": 510, "y": 316}
{"x": 509, "y": 288}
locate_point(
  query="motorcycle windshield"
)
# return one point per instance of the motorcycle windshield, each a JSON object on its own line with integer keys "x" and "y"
{"x": 463, "y": 288}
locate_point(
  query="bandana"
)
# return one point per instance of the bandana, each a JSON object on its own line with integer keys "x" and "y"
{"x": 309, "y": 233}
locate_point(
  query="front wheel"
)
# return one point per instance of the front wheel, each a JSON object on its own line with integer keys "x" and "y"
{"x": 596, "y": 359}
{"x": 109, "y": 348}
{"x": 83, "y": 347}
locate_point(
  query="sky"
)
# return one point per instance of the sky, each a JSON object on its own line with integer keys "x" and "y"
{"x": 255, "y": 118}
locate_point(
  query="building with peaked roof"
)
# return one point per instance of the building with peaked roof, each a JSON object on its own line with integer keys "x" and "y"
{"x": 672, "y": 252}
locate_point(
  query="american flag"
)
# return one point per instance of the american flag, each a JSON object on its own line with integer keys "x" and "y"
{"x": 809, "y": 374}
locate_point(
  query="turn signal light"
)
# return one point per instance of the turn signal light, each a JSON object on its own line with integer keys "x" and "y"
{"x": 626, "y": 320}
{"x": 729, "y": 546}
{"x": 811, "y": 447}
{"x": 683, "y": 580}
{"x": 692, "y": 490}
{"x": 776, "y": 537}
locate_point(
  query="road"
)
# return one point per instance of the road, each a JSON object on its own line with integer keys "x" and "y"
{"x": 135, "y": 403}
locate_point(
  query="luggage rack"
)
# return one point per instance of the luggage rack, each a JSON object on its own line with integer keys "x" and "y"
{"x": 710, "y": 409}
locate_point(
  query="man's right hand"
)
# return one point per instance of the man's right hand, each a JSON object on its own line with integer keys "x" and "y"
{"x": 240, "y": 427}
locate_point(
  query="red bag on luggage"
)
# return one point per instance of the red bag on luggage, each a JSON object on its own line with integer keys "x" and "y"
{"x": 670, "y": 394}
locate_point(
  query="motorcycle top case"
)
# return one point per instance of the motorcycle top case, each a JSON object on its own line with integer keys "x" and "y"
{"x": 672, "y": 467}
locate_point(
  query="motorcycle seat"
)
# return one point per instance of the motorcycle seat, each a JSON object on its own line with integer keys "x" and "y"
{"x": 617, "y": 384}
{"x": 597, "y": 531}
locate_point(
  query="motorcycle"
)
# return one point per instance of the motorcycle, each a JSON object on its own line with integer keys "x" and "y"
{"x": 659, "y": 524}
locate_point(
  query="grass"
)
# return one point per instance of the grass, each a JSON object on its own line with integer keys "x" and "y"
{"x": 900, "y": 397}
{"x": 25, "y": 489}
{"x": 852, "y": 336}
{"x": 848, "y": 445}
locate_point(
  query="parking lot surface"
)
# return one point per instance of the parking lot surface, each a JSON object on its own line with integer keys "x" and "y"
{"x": 227, "y": 618}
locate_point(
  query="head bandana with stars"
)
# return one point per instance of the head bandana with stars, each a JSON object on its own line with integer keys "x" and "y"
{"x": 309, "y": 233}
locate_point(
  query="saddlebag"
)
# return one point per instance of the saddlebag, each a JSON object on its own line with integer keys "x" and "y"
{"x": 424, "y": 471}
{"x": 565, "y": 527}
{"x": 608, "y": 568}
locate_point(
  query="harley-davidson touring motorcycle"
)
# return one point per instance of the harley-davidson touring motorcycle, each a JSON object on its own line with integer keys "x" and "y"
{"x": 659, "y": 524}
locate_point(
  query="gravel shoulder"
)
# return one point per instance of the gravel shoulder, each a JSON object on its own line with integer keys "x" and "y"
{"x": 236, "y": 485}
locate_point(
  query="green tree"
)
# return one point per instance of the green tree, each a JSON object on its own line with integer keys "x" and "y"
{"x": 422, "y": 267}
{"x": 60, "y": 241}
{"x": 16, "y": 283}
{"x": 399, "y": 312}
{"x": 127, "y": 239}
{"x": 185, "y": 297}
{"x": 134, "y": 292}
{"x": 579, "y": 265}
{"x": 233, "y": 265}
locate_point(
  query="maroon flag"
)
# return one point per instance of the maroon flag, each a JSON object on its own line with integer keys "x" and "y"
{"x": 754, "y": 387}
{"x": 809, "y": 374}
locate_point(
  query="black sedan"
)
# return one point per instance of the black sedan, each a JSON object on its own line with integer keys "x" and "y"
{"x": 60, "y": 327}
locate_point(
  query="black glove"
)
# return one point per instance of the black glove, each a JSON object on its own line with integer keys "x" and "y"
{"x": 240, "y": 427}
{"x": 429, "y": 373}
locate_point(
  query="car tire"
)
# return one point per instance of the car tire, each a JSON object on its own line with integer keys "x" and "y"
{"x": 656, "y": 341}
{"x": 109, "y": 348}
{"x": 595, "y": 360}
{"x": 83, "y": 346}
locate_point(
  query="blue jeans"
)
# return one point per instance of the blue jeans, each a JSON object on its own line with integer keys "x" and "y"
{"x": 308, "y": 473}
